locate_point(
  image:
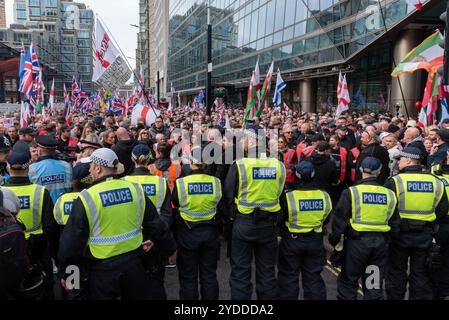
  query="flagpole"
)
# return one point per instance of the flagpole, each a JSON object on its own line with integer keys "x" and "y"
{"x": 129, "y": 65}
{"x": 394, "y": 60}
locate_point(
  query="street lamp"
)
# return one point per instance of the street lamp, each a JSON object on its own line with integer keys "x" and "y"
{"x": 209, "y": 61}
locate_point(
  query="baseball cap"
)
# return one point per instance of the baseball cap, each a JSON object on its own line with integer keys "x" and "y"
{"x": 411, "y": 123}
{"x": 384, "y": 135}
{"x": 19, "y": 160}
{"x": 371, "y": 165}
{"x": 104, "y": 157}
{"x": 305, "y": 171}
{"x": 141, "y": 150}
{"x": 83, "y": 144}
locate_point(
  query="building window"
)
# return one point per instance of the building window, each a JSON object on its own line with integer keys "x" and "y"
{"x": 21, "y": 6}
{"x": 83, "y": 34}
{"x": 21, "y": 15}
{"x": 35, "y": 12}
{"x": 34, "y": 3}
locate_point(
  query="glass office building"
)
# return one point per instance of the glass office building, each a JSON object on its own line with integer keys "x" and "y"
{"x": 310, "y": 41}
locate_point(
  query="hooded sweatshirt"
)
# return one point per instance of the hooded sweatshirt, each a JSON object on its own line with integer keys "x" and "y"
{"x": 325, "y": 171}
{"x": 123, "y": 149}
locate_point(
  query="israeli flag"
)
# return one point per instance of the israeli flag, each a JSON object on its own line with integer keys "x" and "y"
{"x": 280, "y": 85}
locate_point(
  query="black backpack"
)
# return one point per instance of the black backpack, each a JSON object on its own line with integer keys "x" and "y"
{"x": 13, "y": 250}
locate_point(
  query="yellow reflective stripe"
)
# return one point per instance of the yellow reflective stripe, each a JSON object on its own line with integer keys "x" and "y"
{"x": 36, "y": 209}
{"x": 161, "y": 194}
{"x": 295, "y": 213}
{"x": 392, "y": 204}
{"x": 281, "y": 180}
{"x": 93, "y": 212}
{"x": 140, "y": 199}
{"x": 244, "y": 181}
{"x": 58, "y": 212}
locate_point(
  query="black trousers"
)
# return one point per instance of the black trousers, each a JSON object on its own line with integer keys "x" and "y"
{"x": 154, "y": 262}
{"x": 365, "y": 259}
{"x": 442, "y": 276}
{"x": 198, "y": 254}
{"x": 259, "y": 238}
{"x": 121, "y": 277}
{"x": 305, "y": 255}
{"x": 413, "y": 247}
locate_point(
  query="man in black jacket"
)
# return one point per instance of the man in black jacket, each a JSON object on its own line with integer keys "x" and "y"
{"x": 325, "y": 167}
{"x": 123, "y": 149}
{"x": 370, "y": 148}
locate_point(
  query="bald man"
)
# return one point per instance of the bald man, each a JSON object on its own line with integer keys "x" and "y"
{"x": 123, "y": 149}
{"x": 413, "y": 138}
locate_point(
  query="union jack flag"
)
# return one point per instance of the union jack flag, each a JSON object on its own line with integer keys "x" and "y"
{"x": 26, "y": 81}
{"x": 34, "y": 60}
{"x": 118, "y": 107}
{"x": 76, "y": 90}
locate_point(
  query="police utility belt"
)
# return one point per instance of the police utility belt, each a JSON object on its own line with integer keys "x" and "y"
{"x": 410, "y": 225}
{"x": 191, "y": 225}
{"x": 357, "y": 235}
{"x": 259, "y": 215}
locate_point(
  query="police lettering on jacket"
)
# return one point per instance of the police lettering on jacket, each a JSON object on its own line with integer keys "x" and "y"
{"x": 311, "y": 205}
{"x": 374, "y": 198}
{"x": 419, "y": 186}
{"x": 24, "y": 202}
{"x": 200, "y": 188}
{"x": 68, "y": 208}
{"x": 264, "y": 173}
{"x": 149, "y": 189}
{"x": 115, "y": 197}
{"x": 445, "y": 182}
{"x": 53, "y": 179}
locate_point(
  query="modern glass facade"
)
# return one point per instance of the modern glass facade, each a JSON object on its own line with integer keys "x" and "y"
{"x": 297, "y": 35}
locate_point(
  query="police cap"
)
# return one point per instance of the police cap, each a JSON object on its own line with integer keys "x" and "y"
{"x": 28, "y": 131}
{"x": 411, "y": 152}
{"x": 47, "y": 141}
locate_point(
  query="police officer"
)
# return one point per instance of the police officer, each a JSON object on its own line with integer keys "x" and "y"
{"x": 301, "y": 249}
{"x": 421, "y": 202}
{"x": 442, "y": 237}
{"x": 365, "y": 214}
{"x": 36, "y": 214}
{"x": 54, "y": 174}
{"x": 156, "y": 189}
{"x": 197, "y": 199}
{"x": 112, "y": 219}
{"x": 252, "y": 190}
{"x": 63, "y": 208}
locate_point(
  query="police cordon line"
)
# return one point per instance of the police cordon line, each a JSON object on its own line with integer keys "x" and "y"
{"x": 118, "y": 211}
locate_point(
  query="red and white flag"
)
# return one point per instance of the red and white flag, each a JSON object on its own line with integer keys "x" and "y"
{"x": 105, "y": 51}
{"x": 343, "y": 95}
{"x": 51, "y": 99}
{"x": 24, "y": 114}
{"x": 416, "y": 3}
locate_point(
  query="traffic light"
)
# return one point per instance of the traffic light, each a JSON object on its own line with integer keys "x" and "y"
{"x": 444, "y": 70}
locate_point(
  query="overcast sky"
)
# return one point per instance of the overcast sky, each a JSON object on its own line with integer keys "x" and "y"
{"x": 117, "y": 14}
